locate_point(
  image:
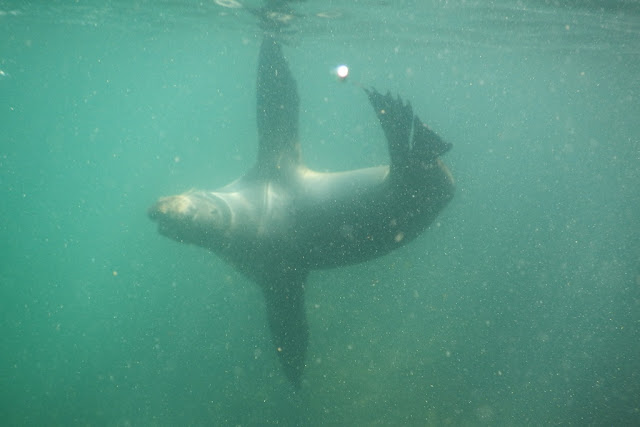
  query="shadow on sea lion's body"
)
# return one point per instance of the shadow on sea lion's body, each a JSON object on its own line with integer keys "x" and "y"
{"x": 281, "y": 219}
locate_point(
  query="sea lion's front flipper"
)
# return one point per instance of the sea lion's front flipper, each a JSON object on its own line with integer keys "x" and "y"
{"x": 284, "y": 296}
{"x": 277, "y": 110}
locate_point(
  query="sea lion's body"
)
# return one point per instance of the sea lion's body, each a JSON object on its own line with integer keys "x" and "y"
{"x": 281, "y": 220}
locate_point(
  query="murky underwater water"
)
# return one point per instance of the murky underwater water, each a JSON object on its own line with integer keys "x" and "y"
{"x": 519, "y": 306}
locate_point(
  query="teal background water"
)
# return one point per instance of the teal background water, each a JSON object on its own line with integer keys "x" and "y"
{"x": 521, "y": 306}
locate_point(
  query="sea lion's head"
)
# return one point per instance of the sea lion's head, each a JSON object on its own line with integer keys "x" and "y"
{"x": 197, "y": 217}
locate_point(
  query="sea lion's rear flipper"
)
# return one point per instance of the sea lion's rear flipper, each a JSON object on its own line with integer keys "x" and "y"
{"x": 397, "y": 121}
{"x": 427, "y": 145}
{"x": 284, "y": 296}
{"x": 277, "y": 111}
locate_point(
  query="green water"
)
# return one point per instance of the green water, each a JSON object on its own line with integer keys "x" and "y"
{"x": 521, "y": 306}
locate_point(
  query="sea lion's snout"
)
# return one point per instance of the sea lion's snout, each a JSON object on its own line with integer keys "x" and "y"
{"x": 174, "y": 215}
{"x": 191, "y": 217}
{"x": 172, "y": 207}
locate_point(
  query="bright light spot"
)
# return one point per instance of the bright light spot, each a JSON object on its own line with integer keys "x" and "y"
{"x": 342, "y": 71}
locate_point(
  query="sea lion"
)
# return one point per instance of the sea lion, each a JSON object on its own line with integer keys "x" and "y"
{"x": 281, "y": 219}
